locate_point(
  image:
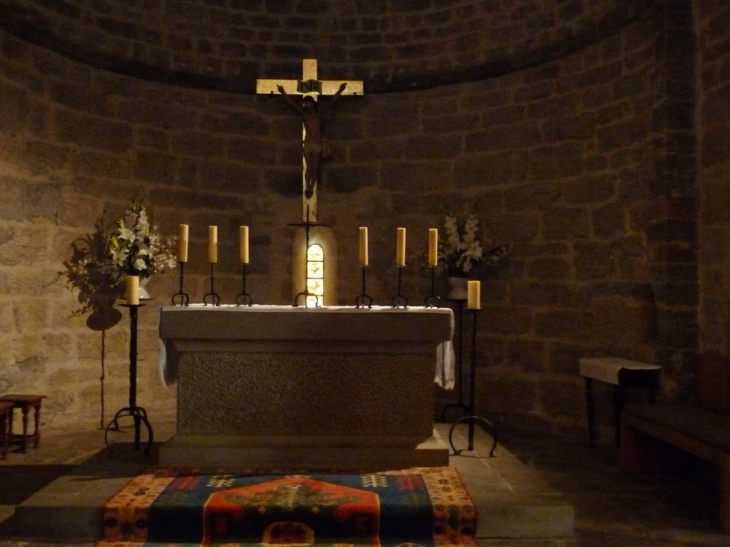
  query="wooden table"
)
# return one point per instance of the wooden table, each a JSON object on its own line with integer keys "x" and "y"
{"x": 25, "y": 403}
{"x": 622, "y": 374}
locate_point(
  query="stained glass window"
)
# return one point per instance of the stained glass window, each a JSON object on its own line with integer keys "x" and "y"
{"x": 315, "y": 275}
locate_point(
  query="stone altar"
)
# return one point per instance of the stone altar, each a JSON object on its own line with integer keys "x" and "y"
{"x": 282, "y": 386}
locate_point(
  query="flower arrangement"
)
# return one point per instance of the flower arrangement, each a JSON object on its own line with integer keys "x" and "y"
{"x": 462, "y": 251}
{"x": 92, "y": 273}
{"x": 136, "y": 248}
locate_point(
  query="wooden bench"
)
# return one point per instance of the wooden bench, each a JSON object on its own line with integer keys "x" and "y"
{"x": 622, "y": 374}
{"x": 647, "y": 429}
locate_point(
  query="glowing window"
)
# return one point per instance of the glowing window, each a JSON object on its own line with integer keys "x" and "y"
{"x": 315, "y": 275}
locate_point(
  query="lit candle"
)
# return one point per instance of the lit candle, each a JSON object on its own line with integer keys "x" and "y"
{"x": 473, "y": 296}
{"x": 363, "y": 246}
{"x": 400, "y": 249}
{"x": 433, "y": 247}
{"x": 182, "y": 243}
{"x": 244, "y": 244}
{"x": 213, "y": 244}
{"x": 132, "y": 286}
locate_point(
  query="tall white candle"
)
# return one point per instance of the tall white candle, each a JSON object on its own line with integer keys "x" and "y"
{"x": 433, "y": 247}
{"x": 363, "y": 246}
{"x": 182, "y": 243}
{"x": 400, "y": 248}
{"x": 132, "y": 289}
{"x": 473, "y": 294}
{"x": 213, "y": 244}
{"x": 244, "y": 244}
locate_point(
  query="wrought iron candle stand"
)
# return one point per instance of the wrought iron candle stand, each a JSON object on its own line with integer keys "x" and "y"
{"x": 181, "y": 298}
{"x": 400, "y": 300}
{"x": 363, "y": 299}
{"x": 432, "y": 300}
{"x": 215, "y": 298}
{"x": 472, "y": 418}
{"x": 137, "y": 412}
{"x": 243, "y": 298}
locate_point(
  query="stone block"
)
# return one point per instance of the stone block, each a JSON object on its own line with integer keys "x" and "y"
{"x": 550, "y": 269}
{"x": 349, "y": 178}
{"x": 93, "y": 132}
{"x": 199, "y": 144}
{"x": 622, "y": 321}
{"x": 566, "y": 223}
{"x": 593, "y": 261}
{"x": 569, "y": 325}
{"x": 530, "y": 197}
{"x": 556, "y": 162}
{"x": 590, "y": 189}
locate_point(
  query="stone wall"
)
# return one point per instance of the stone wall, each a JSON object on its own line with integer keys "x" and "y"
{"x": 713, "y": 109}
{"x": 584, "y": 163}
{"x": 395, "y": 44}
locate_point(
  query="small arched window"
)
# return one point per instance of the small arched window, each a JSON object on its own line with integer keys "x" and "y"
{"x": 315, "y": 276}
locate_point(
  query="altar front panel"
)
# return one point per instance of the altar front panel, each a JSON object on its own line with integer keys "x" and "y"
{"x": 308, "y": 395}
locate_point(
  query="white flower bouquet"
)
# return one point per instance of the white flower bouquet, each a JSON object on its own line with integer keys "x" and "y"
{"x": 461, "y": 250}
{"x": 136, "y": 248}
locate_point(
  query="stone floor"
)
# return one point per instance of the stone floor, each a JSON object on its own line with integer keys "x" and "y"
{"x": 551, "y": 481}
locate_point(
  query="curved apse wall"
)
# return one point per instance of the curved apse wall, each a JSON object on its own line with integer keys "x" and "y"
{"x": 393, "y": 45}
{"x": 583, "y": 162}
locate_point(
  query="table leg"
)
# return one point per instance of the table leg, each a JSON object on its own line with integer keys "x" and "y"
{"x": 37, "y": 420}
{"x": 619, "y": 396}
{"x": 24, "y": 440}
{"x": 4, "y": 433}
{"x": 589, "y": 404}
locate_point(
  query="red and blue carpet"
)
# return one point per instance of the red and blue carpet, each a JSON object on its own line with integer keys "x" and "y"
{"x": 421, "y": 506}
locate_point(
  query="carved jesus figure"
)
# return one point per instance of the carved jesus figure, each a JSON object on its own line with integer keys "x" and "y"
{"x": 315, "y": 146}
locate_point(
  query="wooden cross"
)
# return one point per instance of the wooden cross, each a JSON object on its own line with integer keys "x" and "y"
{"x": 309, "y": 88}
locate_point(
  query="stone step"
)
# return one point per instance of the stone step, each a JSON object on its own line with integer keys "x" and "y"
{"x": 512, "y": 500}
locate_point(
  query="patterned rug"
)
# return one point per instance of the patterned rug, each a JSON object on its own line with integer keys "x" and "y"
{"x": 420, "y": 506}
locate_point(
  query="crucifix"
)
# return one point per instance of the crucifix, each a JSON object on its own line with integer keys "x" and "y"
{"x": 314, "y": 147}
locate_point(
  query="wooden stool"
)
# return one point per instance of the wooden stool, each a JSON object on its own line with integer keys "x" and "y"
{"x": 6, "y": 411}
{"x": 24, "y": 403}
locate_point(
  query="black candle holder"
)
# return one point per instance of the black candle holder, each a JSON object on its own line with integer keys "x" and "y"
{"x": 472, "y": 418}
{"x": 243, "y": 298}
{"x": 432, "y": 300}
{"x": 363, "y": 299}
{"x": 306, "y": 294}
{"x": 400, "y": 300}
{"x": 138, "y": 413}
{"x": 215, "y": 299}
{"x": 181, "y": 298}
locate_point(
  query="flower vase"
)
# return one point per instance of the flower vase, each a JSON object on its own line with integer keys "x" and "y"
{"x": 458, "y": 288}
{"x": 143, "y": 293}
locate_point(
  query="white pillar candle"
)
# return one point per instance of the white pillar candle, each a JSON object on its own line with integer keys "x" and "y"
{"x": 363, "y": 246}
{"x": 182, "y": 243}
{"x": 433, "y": 247}
{"x": 400, "y": 249}
{"x": 473, "y": 294}
{"x": 213, "y": 244}
{"x": 132, "y": 289}
{"x": 244, "y": 244}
